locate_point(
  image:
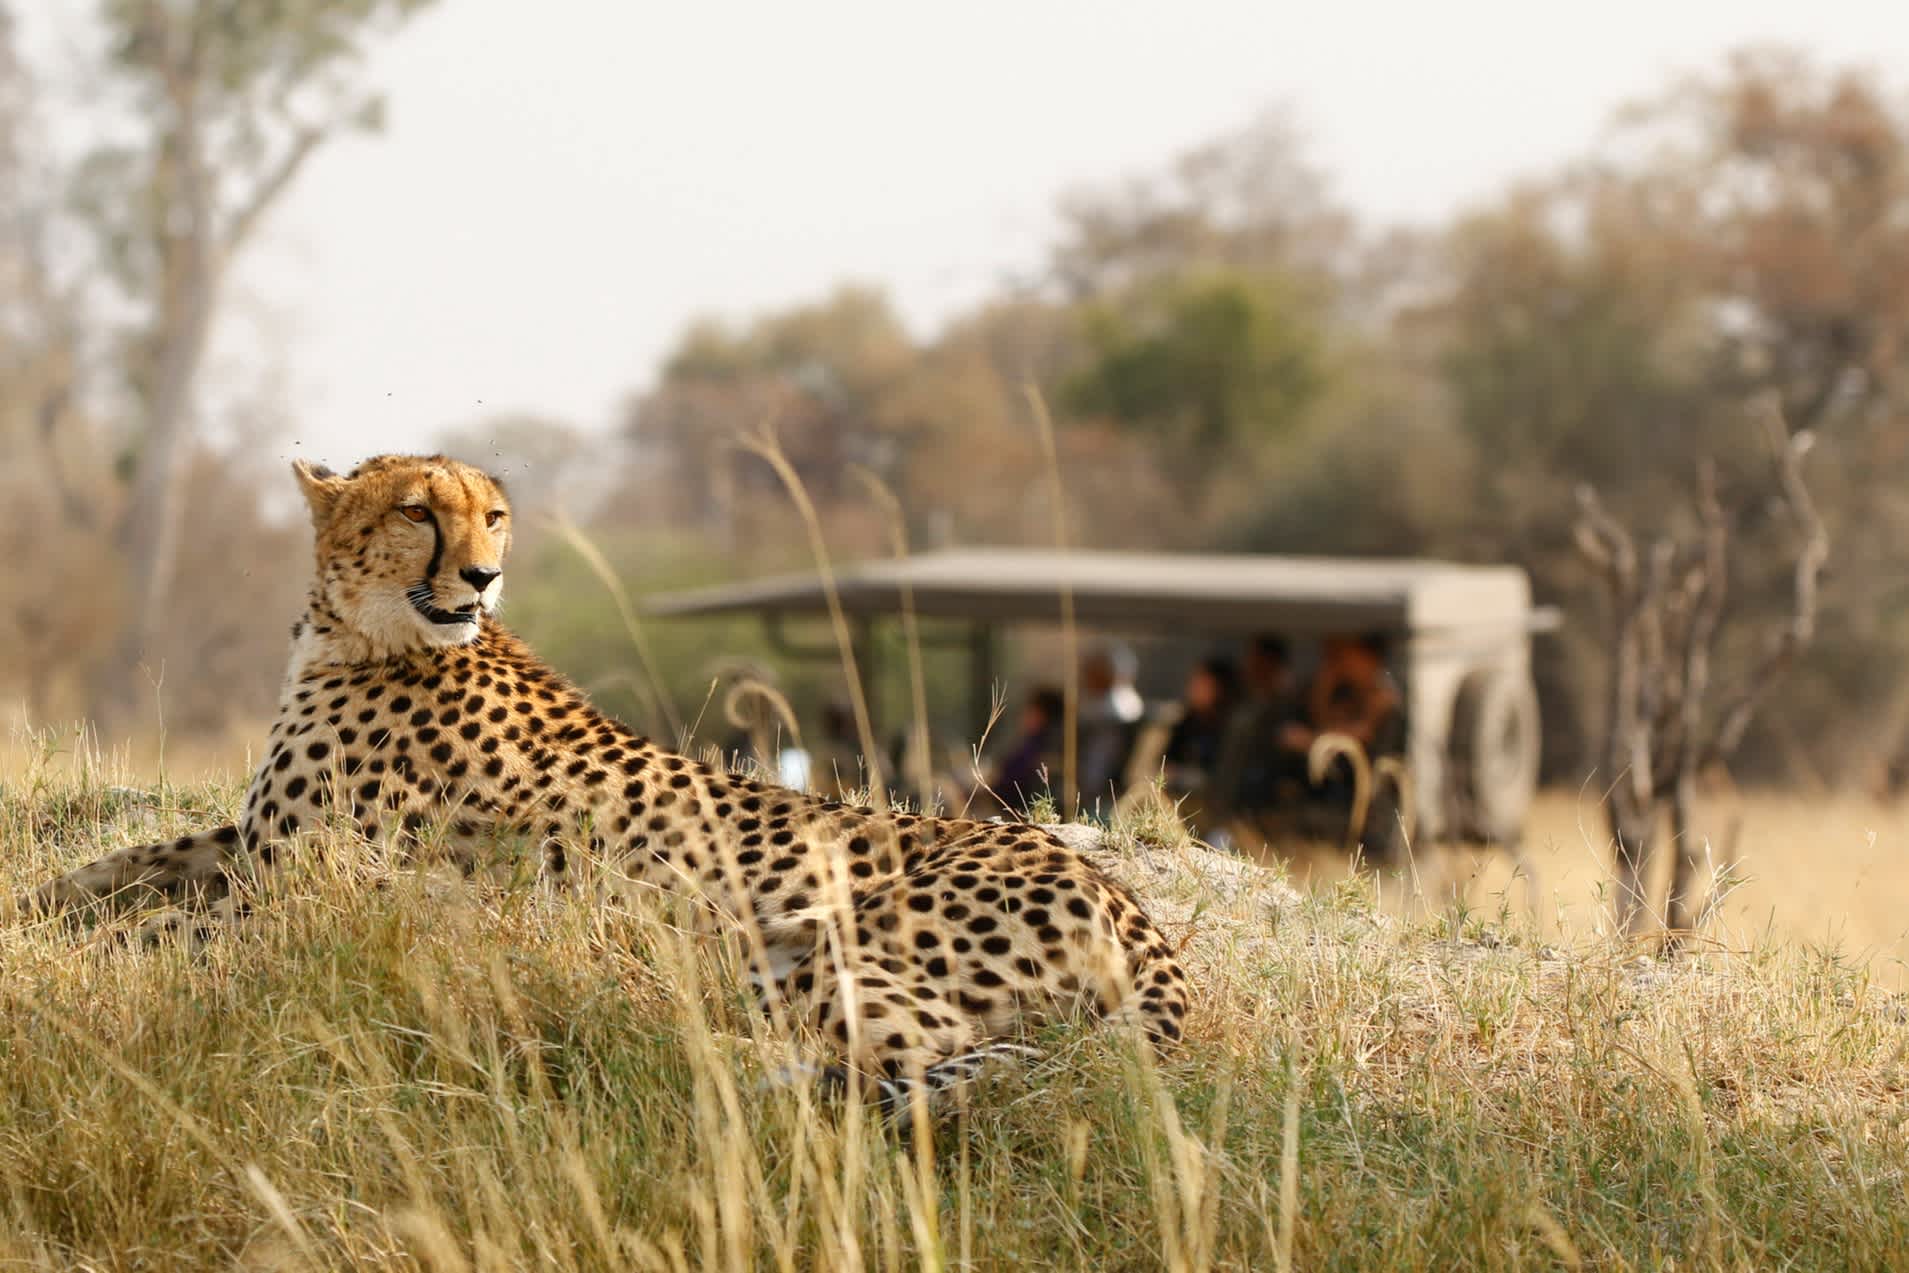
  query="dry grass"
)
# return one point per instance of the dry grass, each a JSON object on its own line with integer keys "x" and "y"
{"x": 436, "y": 1078}
{"x": 1828, "y": 875}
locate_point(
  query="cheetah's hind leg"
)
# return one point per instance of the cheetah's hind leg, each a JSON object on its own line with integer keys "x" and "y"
{"x": 894, "y": 1092}
{"x": 191, "y": 926}
{"x": 952, "y": 1072}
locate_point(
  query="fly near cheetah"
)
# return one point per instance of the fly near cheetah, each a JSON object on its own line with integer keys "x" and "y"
{"x": 910, "y": 945}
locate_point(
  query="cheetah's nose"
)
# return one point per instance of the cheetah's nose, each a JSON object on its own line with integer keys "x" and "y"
{"x": 479, "y": 577}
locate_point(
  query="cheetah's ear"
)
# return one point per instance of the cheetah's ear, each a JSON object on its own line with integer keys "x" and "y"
{"x": 321, "y": 487}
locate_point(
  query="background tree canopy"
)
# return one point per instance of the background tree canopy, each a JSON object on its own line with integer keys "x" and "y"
{"x": 1211, "y": 365}
{"x": 1233, "y": 362}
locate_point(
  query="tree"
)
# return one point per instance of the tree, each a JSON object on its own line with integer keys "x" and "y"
{"x": 1798, "y": 181}
{"x": 1804, "y": 175}
{"x": 1671, "y": 717}
{"x": 1209, "y": 365}
{"x": 1207, "y": 296}
{"x": 1247, "y": 200}
{"x": 63, "y": 602}
{"x": 228, "y": 101}
{"x": 1745, "y": 233}
{"x": 830, "y": 375}
{"x": 52, "y": 607}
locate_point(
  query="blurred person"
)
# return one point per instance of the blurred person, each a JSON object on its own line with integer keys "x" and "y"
{"x": 1022, "y": 772}
{"x": 911, "y": 762}
{"x": 1262, "y": 756}
{"x": 1110, "y": 712}
{"x": 1353, "y": 694}
{"x": 1192, "y": 752}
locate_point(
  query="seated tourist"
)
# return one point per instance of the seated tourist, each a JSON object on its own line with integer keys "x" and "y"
{"x": 835, "y": 765}
{"x": 1192, "y": 752}
{"x": 1353, "y": 694}
{"x": 1262, "y": 757}
{"x": 1033, "y": 754}
{"x": 1109, "y": 718}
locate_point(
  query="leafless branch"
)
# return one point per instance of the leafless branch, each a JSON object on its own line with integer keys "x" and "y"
{"x": 1709, "y": 581}
{"x": 1811, "y": 556}
{"x": 1605, "y": 542}
{"x": 1608, "y": 545}
{"x": 273, "y": 184}
{"x": 1666, "y": 616}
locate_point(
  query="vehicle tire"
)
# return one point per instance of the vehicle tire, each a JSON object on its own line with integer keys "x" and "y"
{"x": 1494, "y": 755}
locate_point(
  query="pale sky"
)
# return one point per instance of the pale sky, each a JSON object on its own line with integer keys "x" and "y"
{"x": 562, "y": 185}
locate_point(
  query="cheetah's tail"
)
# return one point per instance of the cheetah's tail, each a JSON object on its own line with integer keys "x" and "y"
{"x": 1158, "y": 1005}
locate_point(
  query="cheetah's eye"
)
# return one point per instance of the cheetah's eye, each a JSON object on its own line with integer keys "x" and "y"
{"x": 493, "y": 517}
{"x": 415, "y": 512}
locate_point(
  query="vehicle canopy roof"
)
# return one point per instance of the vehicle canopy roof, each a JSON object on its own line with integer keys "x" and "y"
{"x": 1238, "y": 593}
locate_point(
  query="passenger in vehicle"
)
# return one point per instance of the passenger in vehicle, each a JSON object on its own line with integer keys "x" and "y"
{"x": 1033, "y": 754}
{"x": 836, "y": 767}
{"x": 1262, "y": 757}
{"x": 1353, "y": 694}
{"x": 1110, "y": 712}
{"x": 1192, "y": 753}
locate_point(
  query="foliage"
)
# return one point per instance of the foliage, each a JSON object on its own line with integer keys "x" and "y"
{"x": 1244, "y": 202}
{"x": 1214, "y": 365}
{"x": 1236, "y": 366}
{"x": 1609, "y": 325}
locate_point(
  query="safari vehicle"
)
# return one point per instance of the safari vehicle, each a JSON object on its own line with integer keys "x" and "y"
{"x": 1460, "y": 638}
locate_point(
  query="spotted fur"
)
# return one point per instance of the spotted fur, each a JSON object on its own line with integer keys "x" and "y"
{"x": 912, "y": 946}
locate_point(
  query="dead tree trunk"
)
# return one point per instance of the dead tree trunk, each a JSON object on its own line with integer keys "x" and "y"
{"x": 1668, "y": 721}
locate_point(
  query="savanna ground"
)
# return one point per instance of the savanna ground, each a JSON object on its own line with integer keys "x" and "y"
{"x": 1829, "y": 874}
{"x": 446, "y": 1077}
{"x": 430, "y": 1076}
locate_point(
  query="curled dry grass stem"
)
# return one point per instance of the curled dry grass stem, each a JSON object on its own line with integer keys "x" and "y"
{"x": 735, "y": 711}
{"x": 1325, "y": 749}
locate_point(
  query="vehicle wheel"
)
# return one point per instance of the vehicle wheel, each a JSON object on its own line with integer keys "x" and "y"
{"x": 1494, "y": 754}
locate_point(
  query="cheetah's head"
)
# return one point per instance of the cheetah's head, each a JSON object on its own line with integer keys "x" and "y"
{"x": 410, "y": 548}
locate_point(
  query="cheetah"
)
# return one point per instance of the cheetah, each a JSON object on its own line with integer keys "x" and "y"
{"x": 908, "y": 946}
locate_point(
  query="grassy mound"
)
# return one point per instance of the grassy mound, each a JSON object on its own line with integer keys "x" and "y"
{"x": 448, "y": 1079}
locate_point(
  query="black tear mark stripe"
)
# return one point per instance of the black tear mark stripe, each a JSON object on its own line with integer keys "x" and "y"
{"x": 437, "y": 550}
{"x": 423, "y": 594}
